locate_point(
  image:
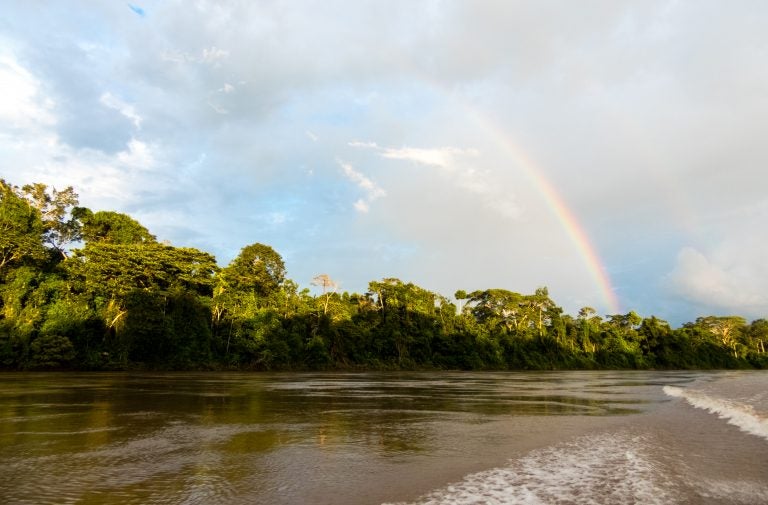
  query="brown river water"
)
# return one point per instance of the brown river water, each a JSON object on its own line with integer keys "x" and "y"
{"x": 374, "y": 438}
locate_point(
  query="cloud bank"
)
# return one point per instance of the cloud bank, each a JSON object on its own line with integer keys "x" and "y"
{"x": 359, "y": 145}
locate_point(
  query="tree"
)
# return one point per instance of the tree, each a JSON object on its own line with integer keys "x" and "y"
{"x": 407, "y": 317}
{"x": 144, "y": 294}
{"x": 460, "y": 295}
{"x": 21, "y": 229}
{"x": 258, "y": 269}
{"x": 395, "y": 294}
{"x": 111, "y": 227}
{"x": 541, "y": 303}
{"x": 625, "y": 322}
{"x": 588, "y": 323}
{"x": 654, "y": 334}
{"x": 758, "y": 335}
{"x": 725, "y": 328}
{"x": 112, "y": 270}
{"x": 247, "y": 300}
{"x": 55, "y": 208}
{"x": 621, "y": 341}
{"x": 499, "y": 307}
{"x": 49, "y": 351}
{"x": 329, "y": 287}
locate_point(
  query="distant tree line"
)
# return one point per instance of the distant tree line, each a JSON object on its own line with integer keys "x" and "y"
{"x": 96, "y": 291}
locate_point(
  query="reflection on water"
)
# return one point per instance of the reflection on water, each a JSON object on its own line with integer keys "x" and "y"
{"x": 312, "y": 438}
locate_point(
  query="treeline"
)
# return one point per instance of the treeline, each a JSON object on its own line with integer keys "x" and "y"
{"x": 96, "y": 291}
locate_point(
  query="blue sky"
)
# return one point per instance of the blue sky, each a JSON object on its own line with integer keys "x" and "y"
{"x": 368, "y": 139}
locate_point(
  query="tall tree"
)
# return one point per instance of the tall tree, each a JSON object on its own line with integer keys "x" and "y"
{"x": 460, "y": 295}
{"x": 758, "y": 335}
{"x": 112, "y": 270}
{"x": 725, "y": 328}
{"x": 588, "y": 323}
{"x": 258, "y": 269}
{"x": 328, "y": 286}
{"x": 540, "y": 303}
{"x": 500, "y": 308}
{"x": 111, "y": 227}
{"x": 55, "y": 208}
{"x": 21, "y": 229}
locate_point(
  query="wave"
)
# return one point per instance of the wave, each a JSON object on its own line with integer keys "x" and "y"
{"x": 596, "y": 469}
{"x": 741, "y": 415}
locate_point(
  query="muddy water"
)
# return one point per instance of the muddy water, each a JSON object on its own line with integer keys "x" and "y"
{"x": 565, "y": 437}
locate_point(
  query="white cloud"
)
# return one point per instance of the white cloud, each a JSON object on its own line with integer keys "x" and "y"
{"x": 32, "y": 148}
{"x": 459, "y": 166}
{"x": 361, "y": 180}
{"x": 357, "y": 143}
{"x": 443, "y": 157}
{"x": 34, "y": 151}
{"x": 21, "y": 102}
{"x": 647, "y": 117}
{"x": 137, "y": 156}
{"x": 372, "y": 190}
{"x": 220, "y": 94}
{"x": 214, "y": 55}
{"x": 724, "y": 280}
{"x": 104, "y": 181}
{"x": 362, "y": 206}
{"x": 109, "y": 100}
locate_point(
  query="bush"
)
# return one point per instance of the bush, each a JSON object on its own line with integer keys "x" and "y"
{"x": 51, "y": 351}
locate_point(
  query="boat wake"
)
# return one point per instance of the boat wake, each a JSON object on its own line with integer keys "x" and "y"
{"x": 741, "y": 415}
{"x": 597, "y": 469}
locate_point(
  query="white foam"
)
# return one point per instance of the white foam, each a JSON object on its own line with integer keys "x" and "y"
{"x": 735, "y": 492}
{"x": 605, "y": 469}
{"x": 741, "y": 415}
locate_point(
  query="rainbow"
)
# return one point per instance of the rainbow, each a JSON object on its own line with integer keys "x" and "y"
{"x": 564, "y": 215}
{"x": 554, "y": 201}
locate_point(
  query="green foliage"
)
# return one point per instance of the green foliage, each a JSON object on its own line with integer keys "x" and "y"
{"x": 51, "y": 351}
{"x": 21, "y": 230}
{"x": 124, "y": 300}
{"x": 257, "y": 269}
{"x": 55, "y": 208}
{"x": 111, "y": 227}
{"x": 112, "y": 270}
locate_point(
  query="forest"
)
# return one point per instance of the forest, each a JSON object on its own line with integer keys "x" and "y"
{"x": 95, "y": 290}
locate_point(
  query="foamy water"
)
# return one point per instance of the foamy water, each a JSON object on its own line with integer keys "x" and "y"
{"x": 598, "y": 469}
{"x": 740, "y": 414}
{"x": 618, "y": 467}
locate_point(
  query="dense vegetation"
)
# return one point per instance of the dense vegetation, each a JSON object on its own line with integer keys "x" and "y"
{"x": 97, "y": 291}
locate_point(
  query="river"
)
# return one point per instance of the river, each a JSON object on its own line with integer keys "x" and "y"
{"x": 373, "y": 438}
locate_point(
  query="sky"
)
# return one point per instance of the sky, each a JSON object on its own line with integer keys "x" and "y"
{"x": 612, "y": 151}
